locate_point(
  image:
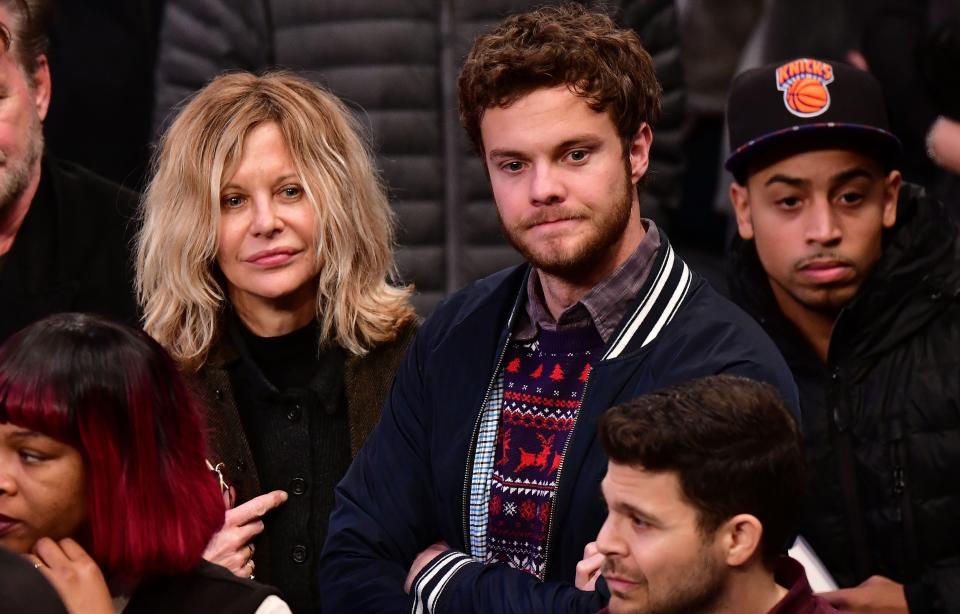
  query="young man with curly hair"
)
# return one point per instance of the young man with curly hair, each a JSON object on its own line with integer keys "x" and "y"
{"x": 478, "y": 490}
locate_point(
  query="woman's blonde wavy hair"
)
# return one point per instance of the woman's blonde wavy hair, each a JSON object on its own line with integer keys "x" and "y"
{"x": 177, "y": 278}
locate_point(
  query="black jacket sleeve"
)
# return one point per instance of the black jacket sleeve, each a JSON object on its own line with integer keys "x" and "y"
{"x": 382, "y": 518}
{"x": 455, "y": 583}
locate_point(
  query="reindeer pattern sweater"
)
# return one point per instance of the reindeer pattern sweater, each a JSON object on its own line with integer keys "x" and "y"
{"x": 413, "y": 483}
{"x": 543, "y": 385}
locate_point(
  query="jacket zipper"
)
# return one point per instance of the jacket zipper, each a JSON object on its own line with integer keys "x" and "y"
{"x": 556, "y": 491}
{"x": 473, "y": 443}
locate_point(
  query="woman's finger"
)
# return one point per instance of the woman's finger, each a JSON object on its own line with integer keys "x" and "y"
{"x": 246, "y": 532}
{"x": 34, "y": 560}
{"x": 255, "y": 508}
{"x": 235, "y": 539}
{"x": 74, "y": 551}
{"x": 50, "y": 553}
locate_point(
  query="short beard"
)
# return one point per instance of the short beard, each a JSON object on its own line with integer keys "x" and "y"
{"x": 697, "y": 593}
{"x": 579, "y": 264}
{"x": 15, "y": 174}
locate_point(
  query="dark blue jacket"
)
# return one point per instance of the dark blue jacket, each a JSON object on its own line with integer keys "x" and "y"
{"x": 408, "y": 486}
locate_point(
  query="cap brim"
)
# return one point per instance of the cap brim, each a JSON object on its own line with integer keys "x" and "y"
{"x": 879, "y": 141}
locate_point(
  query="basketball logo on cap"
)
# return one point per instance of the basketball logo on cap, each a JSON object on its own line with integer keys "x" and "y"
{"x": 804, "y": 86}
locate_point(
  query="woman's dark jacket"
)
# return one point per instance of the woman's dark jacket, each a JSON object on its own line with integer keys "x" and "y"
{"x": 208, "y": 588}
{"x": 881, "y": 419}
{"x": 366, "y": 380}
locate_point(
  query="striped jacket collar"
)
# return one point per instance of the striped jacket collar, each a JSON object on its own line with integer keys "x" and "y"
{"x": 659, "y": 299}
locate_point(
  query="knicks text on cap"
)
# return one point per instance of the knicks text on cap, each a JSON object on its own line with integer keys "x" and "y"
{"x": 804, "y": 86}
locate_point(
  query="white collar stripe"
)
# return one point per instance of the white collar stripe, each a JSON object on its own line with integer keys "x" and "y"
{"x": 668, "y": 270}
{"x": 629, "y": 327}
{"x": 671, "y": 308}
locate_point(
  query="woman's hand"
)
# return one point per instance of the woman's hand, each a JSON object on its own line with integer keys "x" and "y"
{"x": 232, "y": 546}
{"x": 75, "y": 576}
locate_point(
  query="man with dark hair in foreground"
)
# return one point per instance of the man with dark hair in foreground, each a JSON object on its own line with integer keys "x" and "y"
{"x": 478, "y": 488}
{"x": 703, "y": 487}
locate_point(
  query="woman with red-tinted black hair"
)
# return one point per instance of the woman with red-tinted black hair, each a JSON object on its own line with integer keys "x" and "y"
{"x": 103, "y": 482}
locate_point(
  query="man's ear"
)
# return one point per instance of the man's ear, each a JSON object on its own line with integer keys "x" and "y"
{"x": 640, "y": 152}
{"x": 740, "y": 538}
{"x": 41, "y": 86}
{"x": 739, "y": 198}
{"x": 891, "y": 192}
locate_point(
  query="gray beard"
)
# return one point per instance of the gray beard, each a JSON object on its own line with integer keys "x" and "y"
{"x": 15, "y": 174}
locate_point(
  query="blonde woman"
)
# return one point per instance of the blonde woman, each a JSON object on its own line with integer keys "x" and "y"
{"x": 262, "y": 267}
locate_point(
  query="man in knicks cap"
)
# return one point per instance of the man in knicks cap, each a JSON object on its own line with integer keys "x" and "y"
{"x": 856, "y": 276}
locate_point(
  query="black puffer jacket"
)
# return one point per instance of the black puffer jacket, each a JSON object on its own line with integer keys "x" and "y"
{"x": 396, "y": 63}
{"x": 881, "y": 418}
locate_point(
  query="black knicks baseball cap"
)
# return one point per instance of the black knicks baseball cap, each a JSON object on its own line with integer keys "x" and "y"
{"x": 806, "y": 104}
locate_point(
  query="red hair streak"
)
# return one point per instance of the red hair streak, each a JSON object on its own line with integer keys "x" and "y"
{"x": 114, "y": 394}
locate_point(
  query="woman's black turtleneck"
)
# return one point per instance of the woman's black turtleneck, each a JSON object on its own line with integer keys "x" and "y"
{"x": 287, "y": 361}
{"x": 290, "y": 395}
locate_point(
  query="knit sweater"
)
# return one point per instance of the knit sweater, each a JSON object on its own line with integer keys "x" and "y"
{"x": 543, "y": 384}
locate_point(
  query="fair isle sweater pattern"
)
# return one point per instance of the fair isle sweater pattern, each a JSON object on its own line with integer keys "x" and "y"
{"x": 543, "y": 385}
{"x": 662, "y": 298}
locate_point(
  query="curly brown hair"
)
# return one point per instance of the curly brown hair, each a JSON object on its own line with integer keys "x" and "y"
{"x": 560, "y": 45}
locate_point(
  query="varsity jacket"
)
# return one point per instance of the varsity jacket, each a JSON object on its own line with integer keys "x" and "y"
{"x": 409, "y": 486}
{"x": 881, "y": 417}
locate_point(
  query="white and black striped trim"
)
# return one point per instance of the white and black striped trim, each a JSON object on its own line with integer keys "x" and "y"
{"x": 434, "y": 578}
{"x": 657, "y": 308}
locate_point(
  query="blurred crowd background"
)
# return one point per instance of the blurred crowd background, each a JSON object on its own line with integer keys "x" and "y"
{"x": 121, "y": 67}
